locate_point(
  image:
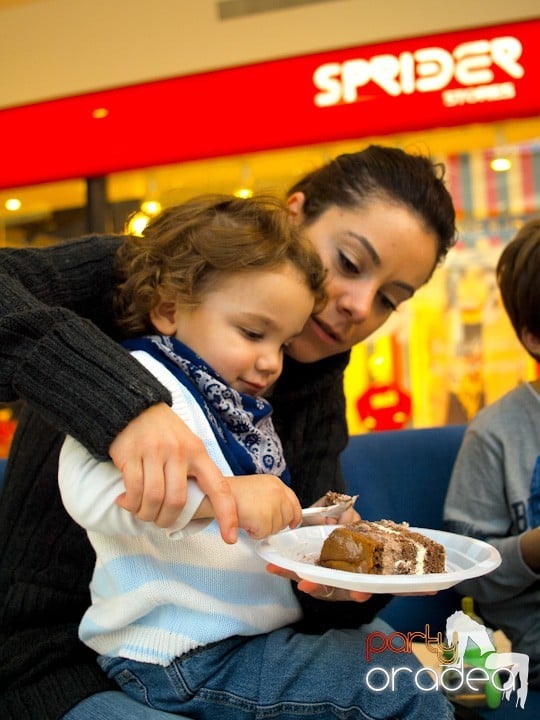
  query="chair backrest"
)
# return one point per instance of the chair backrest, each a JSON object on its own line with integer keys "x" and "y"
{"x": 403, "y": 475}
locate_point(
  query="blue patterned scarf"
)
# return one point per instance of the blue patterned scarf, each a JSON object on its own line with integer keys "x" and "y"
{"x": 242, "y": 424}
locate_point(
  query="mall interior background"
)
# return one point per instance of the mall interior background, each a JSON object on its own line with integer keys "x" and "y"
{"x": 442, "y": 356}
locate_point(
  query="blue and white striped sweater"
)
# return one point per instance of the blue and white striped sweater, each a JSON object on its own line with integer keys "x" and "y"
{"x": 157, "y": 594}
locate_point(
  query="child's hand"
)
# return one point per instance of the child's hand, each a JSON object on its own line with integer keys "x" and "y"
{"x": 265, "y": 505}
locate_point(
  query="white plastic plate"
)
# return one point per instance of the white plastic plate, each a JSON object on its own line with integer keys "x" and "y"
{"x": 298, "y": 550}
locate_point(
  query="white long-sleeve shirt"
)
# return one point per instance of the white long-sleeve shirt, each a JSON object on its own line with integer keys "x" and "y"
{"x": 157, "y": 593}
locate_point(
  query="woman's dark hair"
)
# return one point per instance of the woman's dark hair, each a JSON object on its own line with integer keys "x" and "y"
{"x": 388, "y": 173}
{"x": 518, "y": 272}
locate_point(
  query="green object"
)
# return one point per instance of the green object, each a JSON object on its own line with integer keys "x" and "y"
{"x": 473, "y": 657}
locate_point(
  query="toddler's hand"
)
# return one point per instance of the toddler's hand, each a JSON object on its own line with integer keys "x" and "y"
{"x": 265, "y": 504}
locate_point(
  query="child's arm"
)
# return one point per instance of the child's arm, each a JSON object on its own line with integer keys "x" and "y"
{"x": 476, "y": 506}
{"x": 90, "y": 489}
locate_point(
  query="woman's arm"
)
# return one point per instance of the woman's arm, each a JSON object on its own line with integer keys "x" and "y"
{"x": 52, "y": 357}
{"x": 57, "y": 355}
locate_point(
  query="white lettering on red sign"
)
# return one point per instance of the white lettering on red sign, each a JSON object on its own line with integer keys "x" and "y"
{"x": 425, "y": 70}
{"x": 483, "y": 93}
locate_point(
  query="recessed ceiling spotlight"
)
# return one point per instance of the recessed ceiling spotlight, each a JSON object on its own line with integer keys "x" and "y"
{"x": 13, "y": 204}
{"x": 100, "y": 113}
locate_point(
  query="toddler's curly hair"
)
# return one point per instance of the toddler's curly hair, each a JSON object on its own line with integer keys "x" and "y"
{"x": 188, "y": 247}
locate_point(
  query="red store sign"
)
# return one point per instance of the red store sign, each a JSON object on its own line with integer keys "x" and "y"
{"x": 480, "y": 75}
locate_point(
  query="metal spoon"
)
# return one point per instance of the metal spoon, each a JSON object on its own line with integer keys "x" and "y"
{"x": 328, "y": 510}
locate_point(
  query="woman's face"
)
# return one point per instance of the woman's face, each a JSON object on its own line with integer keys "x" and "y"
{"x": 376, "y": 258}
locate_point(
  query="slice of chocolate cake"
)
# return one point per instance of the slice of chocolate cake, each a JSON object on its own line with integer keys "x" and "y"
{"x": 382, "y": 548}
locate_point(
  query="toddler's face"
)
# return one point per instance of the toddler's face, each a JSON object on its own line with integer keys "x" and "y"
{"x": 243, "y": 323}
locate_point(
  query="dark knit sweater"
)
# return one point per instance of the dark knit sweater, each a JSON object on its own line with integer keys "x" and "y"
{"x": 73, "y": 378}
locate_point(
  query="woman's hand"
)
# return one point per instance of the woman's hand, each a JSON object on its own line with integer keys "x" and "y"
{"x": 156, "y": 454}
{"x": 265, "y": 505}
{"x": 319, "y": 592}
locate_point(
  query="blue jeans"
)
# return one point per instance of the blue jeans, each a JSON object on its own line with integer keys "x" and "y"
{"x": 115, "y": 705}
{"x": 287, "y": 676}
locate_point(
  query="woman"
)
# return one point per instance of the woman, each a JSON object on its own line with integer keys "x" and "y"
{"x": 381, "y": 220}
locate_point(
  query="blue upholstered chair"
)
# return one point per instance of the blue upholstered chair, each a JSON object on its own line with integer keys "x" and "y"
{"x": 403, "y": 475}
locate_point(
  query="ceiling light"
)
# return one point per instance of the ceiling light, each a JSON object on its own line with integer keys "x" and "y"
{"x": 244, "y": 193}
{"x": 13, "y": 204}
{"x": 137, "y": 224}
{"x": 151, "y": 207}
{"x": 500, "y": 164}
